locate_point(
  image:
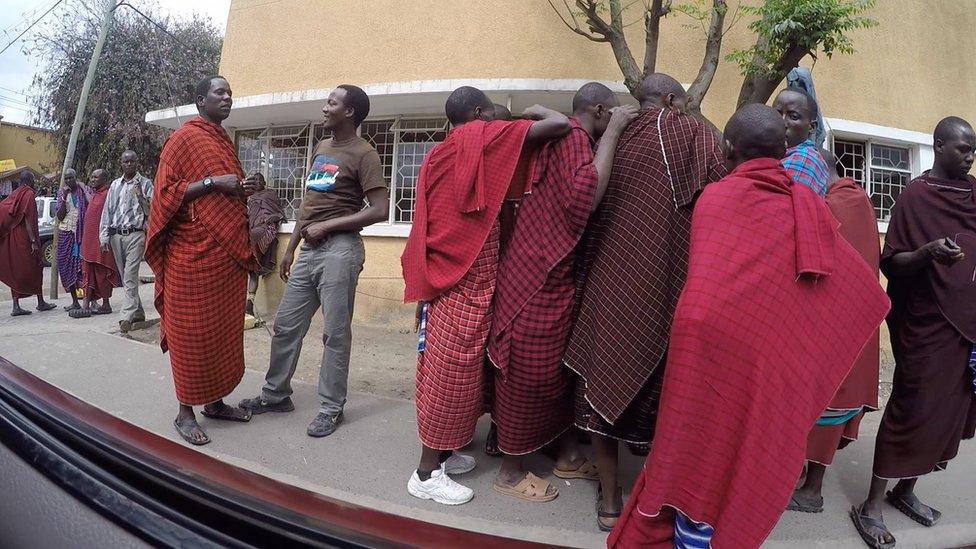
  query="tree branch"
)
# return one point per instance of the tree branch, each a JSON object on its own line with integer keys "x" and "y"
{"x": 758, "y": 88}
{"x": 652, "y": 28}
{"x": 710, "y": 59}
{"x": 575, "y": 26}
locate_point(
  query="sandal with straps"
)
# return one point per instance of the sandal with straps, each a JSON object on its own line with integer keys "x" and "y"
{"x": 530, "y": 488}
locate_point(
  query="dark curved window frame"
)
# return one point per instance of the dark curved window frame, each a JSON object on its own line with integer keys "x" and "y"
{"x": 170, "y": 495}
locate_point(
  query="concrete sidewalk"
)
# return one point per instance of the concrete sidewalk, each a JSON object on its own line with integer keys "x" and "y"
{"x": 367, "y": 461}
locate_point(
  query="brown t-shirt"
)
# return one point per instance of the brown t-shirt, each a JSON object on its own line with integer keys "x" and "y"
{"x": 338, "y": 179}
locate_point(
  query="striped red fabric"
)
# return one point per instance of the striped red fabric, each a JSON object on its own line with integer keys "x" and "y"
{"x": 635, "y": 255}
{"x": 200, "y": 254}
{"x": 535, "y": 295}
{"x": 450, "y": 370}
{"x": 759, "y": 345}
{"x": 460, "y": 189}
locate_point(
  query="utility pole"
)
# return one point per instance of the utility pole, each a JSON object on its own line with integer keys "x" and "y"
{"x": 69, "y": 155}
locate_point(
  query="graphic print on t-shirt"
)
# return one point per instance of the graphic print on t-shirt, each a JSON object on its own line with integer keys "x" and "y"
{"x": 322, "y": 177}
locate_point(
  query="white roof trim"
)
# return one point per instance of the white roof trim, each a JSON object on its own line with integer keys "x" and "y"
{"x": 412, "y": 87}
{"x": 875, "y": 131}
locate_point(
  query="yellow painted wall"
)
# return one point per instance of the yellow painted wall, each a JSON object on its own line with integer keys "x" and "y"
{"x": 29, "y": 147}
{"x": 904, "y": 74}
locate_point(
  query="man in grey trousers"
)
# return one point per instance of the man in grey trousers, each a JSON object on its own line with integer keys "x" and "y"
{"x": 123, "y": 230}
{"x": 345, "y": 172}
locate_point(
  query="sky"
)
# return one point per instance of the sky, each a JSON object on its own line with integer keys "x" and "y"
{"x": 17, "y": 69}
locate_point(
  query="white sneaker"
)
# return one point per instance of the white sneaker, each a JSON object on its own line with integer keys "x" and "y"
{"x": 458, "y": 464}
{"x": 440, "y": 488}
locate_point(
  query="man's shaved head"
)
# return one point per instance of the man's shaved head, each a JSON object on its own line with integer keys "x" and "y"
{"x": 831, "y": 160}
{"x": 501, "y": 112}
{"x": 593, "y": 94}
{"x": 26, "y": 179}
{"x": 950, "y": 127}
{"x": 660, "y": 90}
{"x": 466, "y": 104}
{"x": 755, "y": 131}
{"x": 954, "y": 143}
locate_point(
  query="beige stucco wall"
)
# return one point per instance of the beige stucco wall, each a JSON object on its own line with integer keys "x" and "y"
{"x": 29, "y": 147}
{"x": 379, "y": 296}
{"x": 903, "y": 75}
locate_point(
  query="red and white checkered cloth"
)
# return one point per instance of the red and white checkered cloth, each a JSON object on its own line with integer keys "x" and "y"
{"x": 774, "y": 312}
{"x": 535, "y": 295}
{"x": 200, "y": 253}
{"x": 460, "y": 189}
{"x": 636, "y": 254}
{"x": 450, "y": 370}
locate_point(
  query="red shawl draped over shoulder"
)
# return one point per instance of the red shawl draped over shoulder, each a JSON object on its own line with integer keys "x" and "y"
{"x": 460, "y": 189}
{"x": 196, "y": 150}
{"x": 851, "y": 206}
{"x": 774, "y": 311}
{"x": 20, "y": 268}
{"x": 91, "y": 250}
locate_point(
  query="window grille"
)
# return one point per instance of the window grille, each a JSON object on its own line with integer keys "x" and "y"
{"x": 282, "y": 154}
{"x": 882, "y": 170}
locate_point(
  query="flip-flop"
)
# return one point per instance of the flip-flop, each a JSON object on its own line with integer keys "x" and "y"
{"x": 46, "y": 307}
{"x": 72, "y": 307}
{"x": 586, "y": 471}
{"x": 530, "y": 488}
{"x": 186, "y": 428}
{"x": 22, "y": 312}
{"x": 601, "y": 514}
{"x": 797, "y": 505}
{"x": 101, "y": 311}
{"x": 80, "y": 313}
{"x": 913, "y": 510}
{"x": 226, "y": 414}
{"x": 861, "y": 524}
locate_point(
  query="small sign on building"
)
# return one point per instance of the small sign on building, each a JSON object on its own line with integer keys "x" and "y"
{"x": 6, "y": 165}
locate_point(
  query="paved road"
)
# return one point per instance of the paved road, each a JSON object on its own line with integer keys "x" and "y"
{"x": 368, "y": 460}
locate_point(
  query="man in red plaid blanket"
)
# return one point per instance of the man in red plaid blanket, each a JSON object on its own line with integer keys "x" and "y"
{"x": 535, "y": 294}
{"x": 767, "y": 274}
{"x": 198, "y": 246}
{"x": 449, "y": 263}
{"x": 632, "y": 267}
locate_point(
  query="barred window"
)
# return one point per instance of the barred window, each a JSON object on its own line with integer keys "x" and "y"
{"x": 882, "y": 170}
{"x": 282, "y": 155}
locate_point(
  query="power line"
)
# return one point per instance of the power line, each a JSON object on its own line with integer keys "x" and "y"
{"x": 36, "y": 21}
{"x": 24, "y": 18}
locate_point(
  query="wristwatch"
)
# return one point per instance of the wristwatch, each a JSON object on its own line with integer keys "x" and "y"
{"x": 207, "y": 184}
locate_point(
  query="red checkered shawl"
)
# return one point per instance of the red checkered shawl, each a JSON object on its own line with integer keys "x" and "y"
{"x": 550, "y": 223}
{"x": 196, "y": 150}
{"x": 851, "y": 206}
{"x": 773, "y": 313}
{"x": 460, "y": 189}
{"x": 635, "y": 254}
{"x": 20, "y": 268}
{"x": 91, "y": 249}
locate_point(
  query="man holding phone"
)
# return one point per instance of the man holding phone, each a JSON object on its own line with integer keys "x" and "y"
{"x": 932, "y": 325}
{"x": 199, "y": 248}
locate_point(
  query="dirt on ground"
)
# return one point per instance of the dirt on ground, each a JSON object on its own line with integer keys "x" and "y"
{"x": 383, "y": 358}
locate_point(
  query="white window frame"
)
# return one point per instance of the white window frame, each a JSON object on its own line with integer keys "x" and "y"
{"x": 918, "y": 144}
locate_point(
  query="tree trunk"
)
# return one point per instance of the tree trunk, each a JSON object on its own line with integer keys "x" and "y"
{"x": 652, "y": 29}
{"x": 760, "y": 87}
{"x": 710, "y": 59}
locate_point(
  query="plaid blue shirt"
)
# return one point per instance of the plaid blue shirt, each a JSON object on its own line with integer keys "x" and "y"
{"x": 805, "y": 165}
